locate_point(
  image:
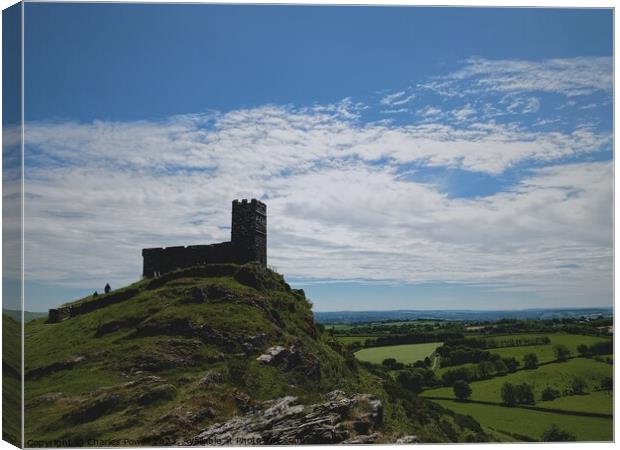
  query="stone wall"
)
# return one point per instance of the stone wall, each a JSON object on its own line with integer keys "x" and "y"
{"x": 248, "y": 243}
{"x": 162, "y": 260}
{"x": 65, "y": 312}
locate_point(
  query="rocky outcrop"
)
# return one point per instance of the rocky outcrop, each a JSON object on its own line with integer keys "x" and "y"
{"x": 409, "y": 439}
{"x": 340, "y": 419}
{"x": 100, "y": 402}
{"x": 290, "y": 358}
{"x": 55, "y": 367}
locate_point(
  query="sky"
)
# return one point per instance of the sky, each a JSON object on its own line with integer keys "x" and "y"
{"x": 410, "y": 158}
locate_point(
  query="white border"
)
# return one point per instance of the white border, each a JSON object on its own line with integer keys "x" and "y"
{"x": 445, "y": 3}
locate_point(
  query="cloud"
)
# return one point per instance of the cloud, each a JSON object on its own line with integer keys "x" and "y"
{"x": 397, "y": 99}
{"x": 394, "y": 111}
{"x": 567, "y": 76}
{"x": 464, "y": 113}
{"x": 99, "y": 192}
{"x": 430, "y": 112}
{"x": 517, "y": 104}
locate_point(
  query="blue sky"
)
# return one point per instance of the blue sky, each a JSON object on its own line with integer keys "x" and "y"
{"x": 416, "y": 158}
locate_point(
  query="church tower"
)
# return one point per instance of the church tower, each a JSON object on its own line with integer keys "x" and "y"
{"x": 249, "y": 231}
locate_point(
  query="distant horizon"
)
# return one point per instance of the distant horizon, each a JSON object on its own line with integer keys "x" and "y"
{"x": 470, "y": 310}
{"x": 408, "y": 157}
{"x": 420, "y": 310}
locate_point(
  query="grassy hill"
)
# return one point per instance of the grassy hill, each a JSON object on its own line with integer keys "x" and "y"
{"x": 195, "y": 348}
{"x": 11, "y": 380}
{"x": 16, "y": 315}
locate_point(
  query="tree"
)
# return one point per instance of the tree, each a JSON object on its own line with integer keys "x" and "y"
{"x": 411, "y": 380}
{"x": 508, "y": 394}
{"x": 107, "y": 288}
{"x": 392, "y": 364}
{"x": 578, "y": 386}
{"x": 561, "y": 352}
{"x": 511, "y": 363}
{"x": 462, "y": 373}
{"x": 530, "y": 361}
{"x": 549, "y": 394}
{"x": 388, "y": 362}
{"x": 427, "y": 362}
{"x": 485, "y": 369}
{"x": 607, "y": 384}
{"x": 500, "y": 366}
{"x": 555, "y": 434}
{"x": 524, "y": 394}
{"x": 461, "y": 389}
{"x": 583, "y": 350}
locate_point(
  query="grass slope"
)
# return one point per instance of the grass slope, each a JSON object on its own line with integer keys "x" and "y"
{"x": 28, "y": 315}
{"x": 181, "y": 354}
{"x": 11, "y": 380}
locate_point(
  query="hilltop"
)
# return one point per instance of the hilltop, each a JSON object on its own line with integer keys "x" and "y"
{"x": 212, "y": 351}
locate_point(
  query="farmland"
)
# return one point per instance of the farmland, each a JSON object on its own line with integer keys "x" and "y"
{"x": 489, "y": 355}
{"x": 407, "y": 354}
{"x": 587, "y": 414}
{"x": 558, "y": 376}
{"x": 545, "y": 352}
{"x": 529, "y": 425}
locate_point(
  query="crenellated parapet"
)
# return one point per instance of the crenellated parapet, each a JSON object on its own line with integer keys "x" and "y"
{"x": 248, "y": 243}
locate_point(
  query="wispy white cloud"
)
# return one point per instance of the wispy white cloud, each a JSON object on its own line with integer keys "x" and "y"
{"x": 397, "y": 99}
{"x": 464, "y": 113}
{"x": 99, "y": 192}
{"x": 430, "y": 112}
{"x": 517, "y": 104}
{"x": 394, "y": 111}
{"x": 568, "y": 76}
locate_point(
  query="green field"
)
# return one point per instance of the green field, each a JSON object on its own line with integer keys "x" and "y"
{"x": 532, "y": 424}
{"x": 557, "y": 375}
{"x": 601, "y": 402}
{"x": 522, "y": 423}
{"x": 406, "y": 354}
{"x": 346, "y": 340}
{"x": 545, "y": 352}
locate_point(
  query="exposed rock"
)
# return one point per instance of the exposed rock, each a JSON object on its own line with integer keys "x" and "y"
{"x": 290, "y": 358}
{"x": 206, "y": 293}
{"x": 299, "y": 293}
{"x": 259, "y": 277}
{"x": 286, "y": 358}
{"x": 55, "y": 367}
{"x": 283, "y": 421}
{"x": 207, "y": 413}
{"x": 212, "y": 377}
{"x": 363, "y": 439}
{"x": 115, "y": 325}
{"x": 255, "y": 342}
{"x": 410, "y": 439}
{"x": 102, "y": 401}
{"x": 157, "y": 393}
{"x": 273, "y": 355}
{"x": 335, "y": 395}
{"x": 312, "y": 367}
{"x": 46, "y": 398}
